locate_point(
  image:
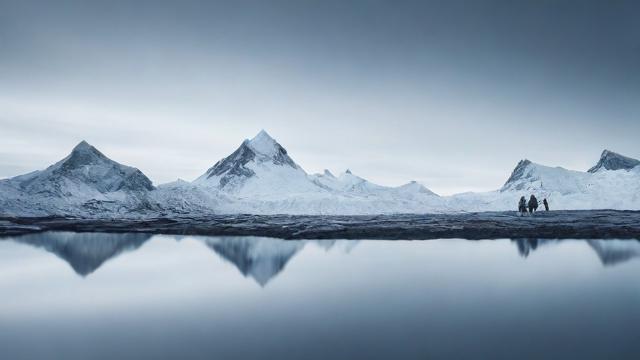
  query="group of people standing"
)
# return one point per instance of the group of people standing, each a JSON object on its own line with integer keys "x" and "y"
{"x": 532, "y": 204}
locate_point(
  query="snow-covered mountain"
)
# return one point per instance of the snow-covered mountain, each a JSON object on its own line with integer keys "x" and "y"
{"x": 529, "y": 176}
{"x": 260, "y": 167}
{"x": 349, "y": 184}
{"x": 260, "y": 177}
{"x": 86, "y": 181}
{"x": 615, "y": 188}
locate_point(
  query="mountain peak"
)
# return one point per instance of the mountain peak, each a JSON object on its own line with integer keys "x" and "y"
{"x": 414, "y": 186}
{"x": 232, "y": 171}
{"x": 264, "y": 144}
{"x": 263, "y": 134}
{"x": 84, "y": 154}
{"x": 610, "y": 160}
{"x": 518, "y": 172}
{"x": 82, "y": 145}
{"x": 348, "y": 172}
{"x": 85, "y": 147}
{"x": 328, "y": 173}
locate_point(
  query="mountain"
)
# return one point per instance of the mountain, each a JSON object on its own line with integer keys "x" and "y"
{"x": 414, "y": 187}
{"x": 86, "y": 181}
{"x": 529, "y": 176}
{"x": 260, "y": 177}
{"x": 352, "y": 185}
{"x": 85, "y": 166}
{"x": 564, "y": 189}
{"x": 260, "y": 167}
{"x": 346, "y": 183}
{"x": 613, "y": 161}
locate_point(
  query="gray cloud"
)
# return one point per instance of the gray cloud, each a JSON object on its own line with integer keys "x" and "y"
{"x": 451, "y": 93}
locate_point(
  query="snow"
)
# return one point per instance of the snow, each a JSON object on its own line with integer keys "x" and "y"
{"x": 264, "y": 144}
{"x": 564, "y": 189}
{"x": 261, "y": 178}
{"x": 86, "y": 181}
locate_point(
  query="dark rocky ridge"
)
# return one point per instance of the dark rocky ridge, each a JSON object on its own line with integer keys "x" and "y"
{"x": 234, "y": 165}
{"x": 610, "y": 160}
{"x": 517, "y": 174}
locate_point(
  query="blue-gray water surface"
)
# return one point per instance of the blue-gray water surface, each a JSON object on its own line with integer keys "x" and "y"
{"x": 135, "y": 296}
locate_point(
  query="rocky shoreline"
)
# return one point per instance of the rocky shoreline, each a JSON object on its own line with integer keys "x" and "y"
{"x": 592, "y": 224}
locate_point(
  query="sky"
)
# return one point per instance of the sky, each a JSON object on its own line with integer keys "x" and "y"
{"x": 448, "y": 93}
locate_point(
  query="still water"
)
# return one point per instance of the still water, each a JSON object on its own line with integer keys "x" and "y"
{"x": 135, "y": 296}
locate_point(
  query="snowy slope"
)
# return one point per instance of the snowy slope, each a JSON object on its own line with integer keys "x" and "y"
{"x": 530, "y": 176}
{"x": 564, "y": 189}
{"x": 84, "y": 182}
{"x": 260, "y": 177}
{"x": 350, "y": 185}
{"x": 259, "y": 168}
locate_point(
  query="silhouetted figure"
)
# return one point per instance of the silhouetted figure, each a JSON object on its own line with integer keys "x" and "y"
{"x": 533, "y": 203}
{"x": 546, "y": 204}
{"x": 522, "y": 205}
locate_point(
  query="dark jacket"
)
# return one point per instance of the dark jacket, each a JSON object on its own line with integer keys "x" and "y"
{"x": 533, "y": 202}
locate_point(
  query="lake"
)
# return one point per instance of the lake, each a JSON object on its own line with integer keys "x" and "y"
{"x": 135, "y": 296}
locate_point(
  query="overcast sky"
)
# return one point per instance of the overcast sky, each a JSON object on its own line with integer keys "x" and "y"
{"x": 449, "y": 93}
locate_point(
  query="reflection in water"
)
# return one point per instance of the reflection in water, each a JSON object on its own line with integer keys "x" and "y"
{"x": 260, "y": 258}
{"x": 613, "y": 252}
{"x": 610, "y": 252}
{"x": 184, "y": 298}
{"x": 257, "y": 257}
{"x": 263, "y": 258}
{"x": 85, "y": 252}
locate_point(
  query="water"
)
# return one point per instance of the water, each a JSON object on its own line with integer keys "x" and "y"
{"x": 127, "y": 296}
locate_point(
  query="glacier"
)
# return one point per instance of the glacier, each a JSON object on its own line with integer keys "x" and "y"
{"x": 261, "y": 178}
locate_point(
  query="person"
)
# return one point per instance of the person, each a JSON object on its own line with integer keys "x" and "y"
{"x": 546, "y": 204}
{"x": 533, "y": 203}
{"x": 522, "y": 205}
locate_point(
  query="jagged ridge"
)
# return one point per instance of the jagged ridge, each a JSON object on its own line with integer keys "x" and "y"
{"x": 610, "y": 160}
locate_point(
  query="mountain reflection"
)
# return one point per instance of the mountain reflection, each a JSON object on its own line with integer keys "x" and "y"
{"x": 256, "y": 257}
{"x": 264, "y": 258}
{"x": 610, "y": 252}
{"x": 85, "y": 252}
{"x": 259, "y": 258}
